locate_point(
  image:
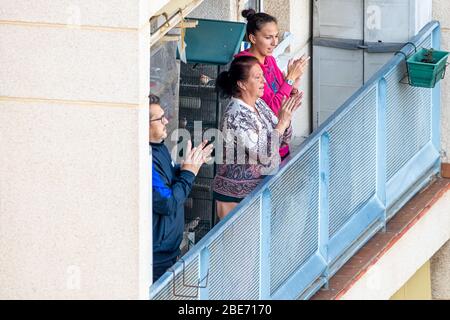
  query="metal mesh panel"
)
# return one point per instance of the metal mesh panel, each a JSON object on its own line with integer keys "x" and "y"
{"x": 199, "y": 102}
{"x": 164, "y": 82}
{"x": 234, "y": 258}
{"x": 191, "y": 278}
{"x": 408, "y": 120}
{"x": 352, "y": 161}
{"x": 198, "y": 96}
{"x": 295, "y": 217}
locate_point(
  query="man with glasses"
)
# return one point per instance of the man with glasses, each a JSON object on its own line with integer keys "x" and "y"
{"x": 171, "y": 185}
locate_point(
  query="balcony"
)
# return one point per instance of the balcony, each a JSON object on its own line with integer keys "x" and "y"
{"x": 340, "y": 187}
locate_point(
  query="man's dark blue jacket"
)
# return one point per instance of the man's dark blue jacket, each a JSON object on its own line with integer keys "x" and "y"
{"x": 171, "y": 187}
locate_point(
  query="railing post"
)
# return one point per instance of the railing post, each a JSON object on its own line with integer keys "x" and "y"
{"x": 324, "y": 216}
{"x": 264, "y": 254}
{"x": 204, "y": 274}
{"x": 436, "y": 97}
{"x": 381, "y": 147}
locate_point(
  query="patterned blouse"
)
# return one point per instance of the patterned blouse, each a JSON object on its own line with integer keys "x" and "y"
{"x": 250, "y": 148}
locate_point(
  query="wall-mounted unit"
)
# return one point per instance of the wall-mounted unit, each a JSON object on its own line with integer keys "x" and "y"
{"x": 353, "y": 39}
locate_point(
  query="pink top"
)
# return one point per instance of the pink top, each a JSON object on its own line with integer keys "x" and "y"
{"x": 275, "y": 87}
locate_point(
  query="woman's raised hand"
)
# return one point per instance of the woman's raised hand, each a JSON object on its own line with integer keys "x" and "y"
{"x": 296, "y": 68}
{"x": 289, "y": 106}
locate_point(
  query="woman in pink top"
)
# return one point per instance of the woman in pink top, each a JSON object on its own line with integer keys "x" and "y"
{"x": 262, "y": 32}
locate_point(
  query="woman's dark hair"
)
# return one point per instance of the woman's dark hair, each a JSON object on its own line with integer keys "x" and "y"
{"x": 227, "y": 81}
{"x": 256, "y": 21}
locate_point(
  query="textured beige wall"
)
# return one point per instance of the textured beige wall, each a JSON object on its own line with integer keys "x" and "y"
{"x": 293, "y": 16}
{"x": 217, "y": 10}
{"x": 440, "y": 273}
{"x": 74, "y": 194}
{"x": 221, "y": 10}
{"x": 440, "y": 264}
{"x": 281, "y": 9}
{"x": 441, "y": 12}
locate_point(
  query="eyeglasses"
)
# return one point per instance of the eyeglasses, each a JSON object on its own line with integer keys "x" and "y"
{"x": 160, "y": 119}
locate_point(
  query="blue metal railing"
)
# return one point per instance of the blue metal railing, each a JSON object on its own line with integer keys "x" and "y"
{"x": 288, "y": 237}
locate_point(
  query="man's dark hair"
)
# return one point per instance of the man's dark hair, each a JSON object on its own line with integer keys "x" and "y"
{"x": 154, "y": 99}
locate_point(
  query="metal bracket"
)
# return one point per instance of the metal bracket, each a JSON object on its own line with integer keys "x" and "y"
{"x": 170, "y": 38}
{"x": 325, "y": 277}
{"x": 166, "y": 16}
{"x": 443, "y": 155}
{"x": 445, "y": 70}
{"x": 326, "y": 285}
{"x": 198, "y": 286}
{"x": 188, "y": 24}
{"x": 406, "y": 76}
{"x": 352, "y": 44}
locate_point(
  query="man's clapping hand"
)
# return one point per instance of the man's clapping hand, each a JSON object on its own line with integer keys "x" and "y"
{"x": 196, "y": 157}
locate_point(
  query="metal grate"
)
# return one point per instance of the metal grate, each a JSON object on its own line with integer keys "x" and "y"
{"x": 352, "y": 161}
{"x": 295, "y": 214}
{"x": 198, "y": 96}
{"x": 234, "y": 258}
{"x": 191, "y": 278}
{"x": 199, "y": 101}
{"x": 408, "y": 121}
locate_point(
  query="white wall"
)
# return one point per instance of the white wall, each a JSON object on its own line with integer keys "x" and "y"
{"x": 155, "y": 5}
{"x": 440, "y": 264}
{"x": 74, "y": 194}
{"x": 295, "y": 16}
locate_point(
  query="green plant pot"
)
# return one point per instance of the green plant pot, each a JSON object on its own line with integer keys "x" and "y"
{"x": 424, "y": 74}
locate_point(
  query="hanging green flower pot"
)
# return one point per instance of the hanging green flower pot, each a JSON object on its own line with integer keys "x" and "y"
{"x": 426, "y": 67}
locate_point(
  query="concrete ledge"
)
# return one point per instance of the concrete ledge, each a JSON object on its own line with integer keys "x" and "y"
{"x": 71, "y": 64}
{"x": 104, "y": 13}
{"x": 74, "y": 202}
{"x": 387, "y": 261}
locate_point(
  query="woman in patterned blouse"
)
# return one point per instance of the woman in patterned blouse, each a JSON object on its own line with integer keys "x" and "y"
{"x": 252, "y": 134}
